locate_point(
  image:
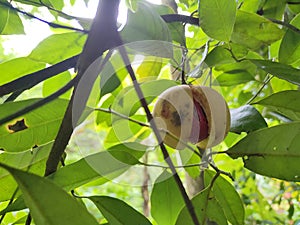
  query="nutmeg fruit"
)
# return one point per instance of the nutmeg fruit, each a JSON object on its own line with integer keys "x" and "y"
{"x": 195, "y": 114}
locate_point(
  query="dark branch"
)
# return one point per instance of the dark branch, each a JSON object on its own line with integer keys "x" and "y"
{"x": 14, "y": 96}
{"x": 288, "y": 25}
{"x": 40, "y": 103}
{"x": 166, "y": 155}
{"x": 32, "y": 79}
{"x": 293, "y": 3}
{"x": 100, "y": 39}
{"x": 170, "y": 18}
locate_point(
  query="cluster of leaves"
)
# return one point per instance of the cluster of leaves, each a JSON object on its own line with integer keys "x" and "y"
{"x": 246, "y": 49}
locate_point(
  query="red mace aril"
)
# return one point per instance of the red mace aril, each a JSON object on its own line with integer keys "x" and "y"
{"x": 195, "y": 114}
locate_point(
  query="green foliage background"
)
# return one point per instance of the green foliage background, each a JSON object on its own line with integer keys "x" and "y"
{"x": 247, "y": 50}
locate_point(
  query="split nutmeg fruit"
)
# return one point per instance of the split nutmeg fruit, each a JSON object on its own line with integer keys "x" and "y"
{"x": 195, "y": 114}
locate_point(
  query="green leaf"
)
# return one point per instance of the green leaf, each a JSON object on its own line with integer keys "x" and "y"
{"x": 187, "y": 158}
{"x": 154, "y": 38}
{"x": 21, "y": 220}
{"x": 246, "y": 119}
{"x": 124, "y": 130}
{"x": 279, "y": 70}
{"x": 127, "y": 101}
{"x": 289, "y": 51}
{"x": 103, "y": 166}
{"x": 233, "y": 77}
{"x": 166, "y": 200}
{"x": 57, "y": 4}
{"x": 15, "y": 68}
{"x": 218, "y": 56}
{"x": 227, "y": 197}
{"x": 295, "y": 8}
{"x": 285, "y": 102}
{"x": 35, "y": 2}
{"x": 118, "y": 212}
{"x": 48, "y": 203}
{"x": 274, "y": 9}
{"x": 41, "y": 124}
{"x": 17, "y": 205}
{"x": 136, "y": 30}
{"x": 147, "y": 47}
{"x": 253, "y": 31}
{"x": 272, "y": 152}
{"x": 109, "y": 80}
{"x": 250, "y": 6}
{"x": 149, "y": 68}
{"x": 206, "y": 207}
{"x": 14, "y": 24}
{"x": 105, "y": 118}
{"x": 217, "y": 18}
{"x": 4, "y": 14}
{"x": 132, "y": 4}
{"x": 238, "y": 67}
{"x": 55, "y": 83}
{"x": 10, "y": 22}
{"x": 62, "y": 46}
{"x": 176, "y": 28}
{"x": 33, "y": 160}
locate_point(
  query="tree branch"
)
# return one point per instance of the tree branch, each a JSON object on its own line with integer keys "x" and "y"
{"x": 287, "y": 25}
{"x": 30, "y": 80}
{"x": 170, "y": 18}
{"x": 40, "y": 103}
{"x": 166, "y": 156}
{"x": 51, "y": 24}
{"x": 102, "y": 37}
{"x": 293, "y": 3}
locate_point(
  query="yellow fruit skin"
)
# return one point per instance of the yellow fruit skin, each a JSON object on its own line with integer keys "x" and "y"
{"x": 174, "y": 112}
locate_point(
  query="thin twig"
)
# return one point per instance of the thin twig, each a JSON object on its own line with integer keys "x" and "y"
{"x": 51, "y": 24}
{"x": 50, "y": 8}
{"x": 14, "y": 96}
{"x": 268, "y": 79}
{"x": 288, "y": 25}
{"x": 167, "y": 158}
{"x": 167, "y": 167}
{"x": 28, "y": 219}
{"x": 9, "y": 203}
{"x": 41, "y": 102}
{"x": 144, "y": 189}
{"x": 233, "y": 56}
{"x": 183, "y": 62}
{"x": 209, "y": 188}
{"x": 109, "y": 110}
{"x": 221, "y": 171}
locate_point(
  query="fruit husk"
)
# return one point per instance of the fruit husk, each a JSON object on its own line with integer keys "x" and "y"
{"x": 213, "y": 105}
{"x": 180, "y": 123}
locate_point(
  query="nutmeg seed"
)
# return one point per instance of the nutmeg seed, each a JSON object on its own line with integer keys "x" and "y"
{"x": 195, "y": 114}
